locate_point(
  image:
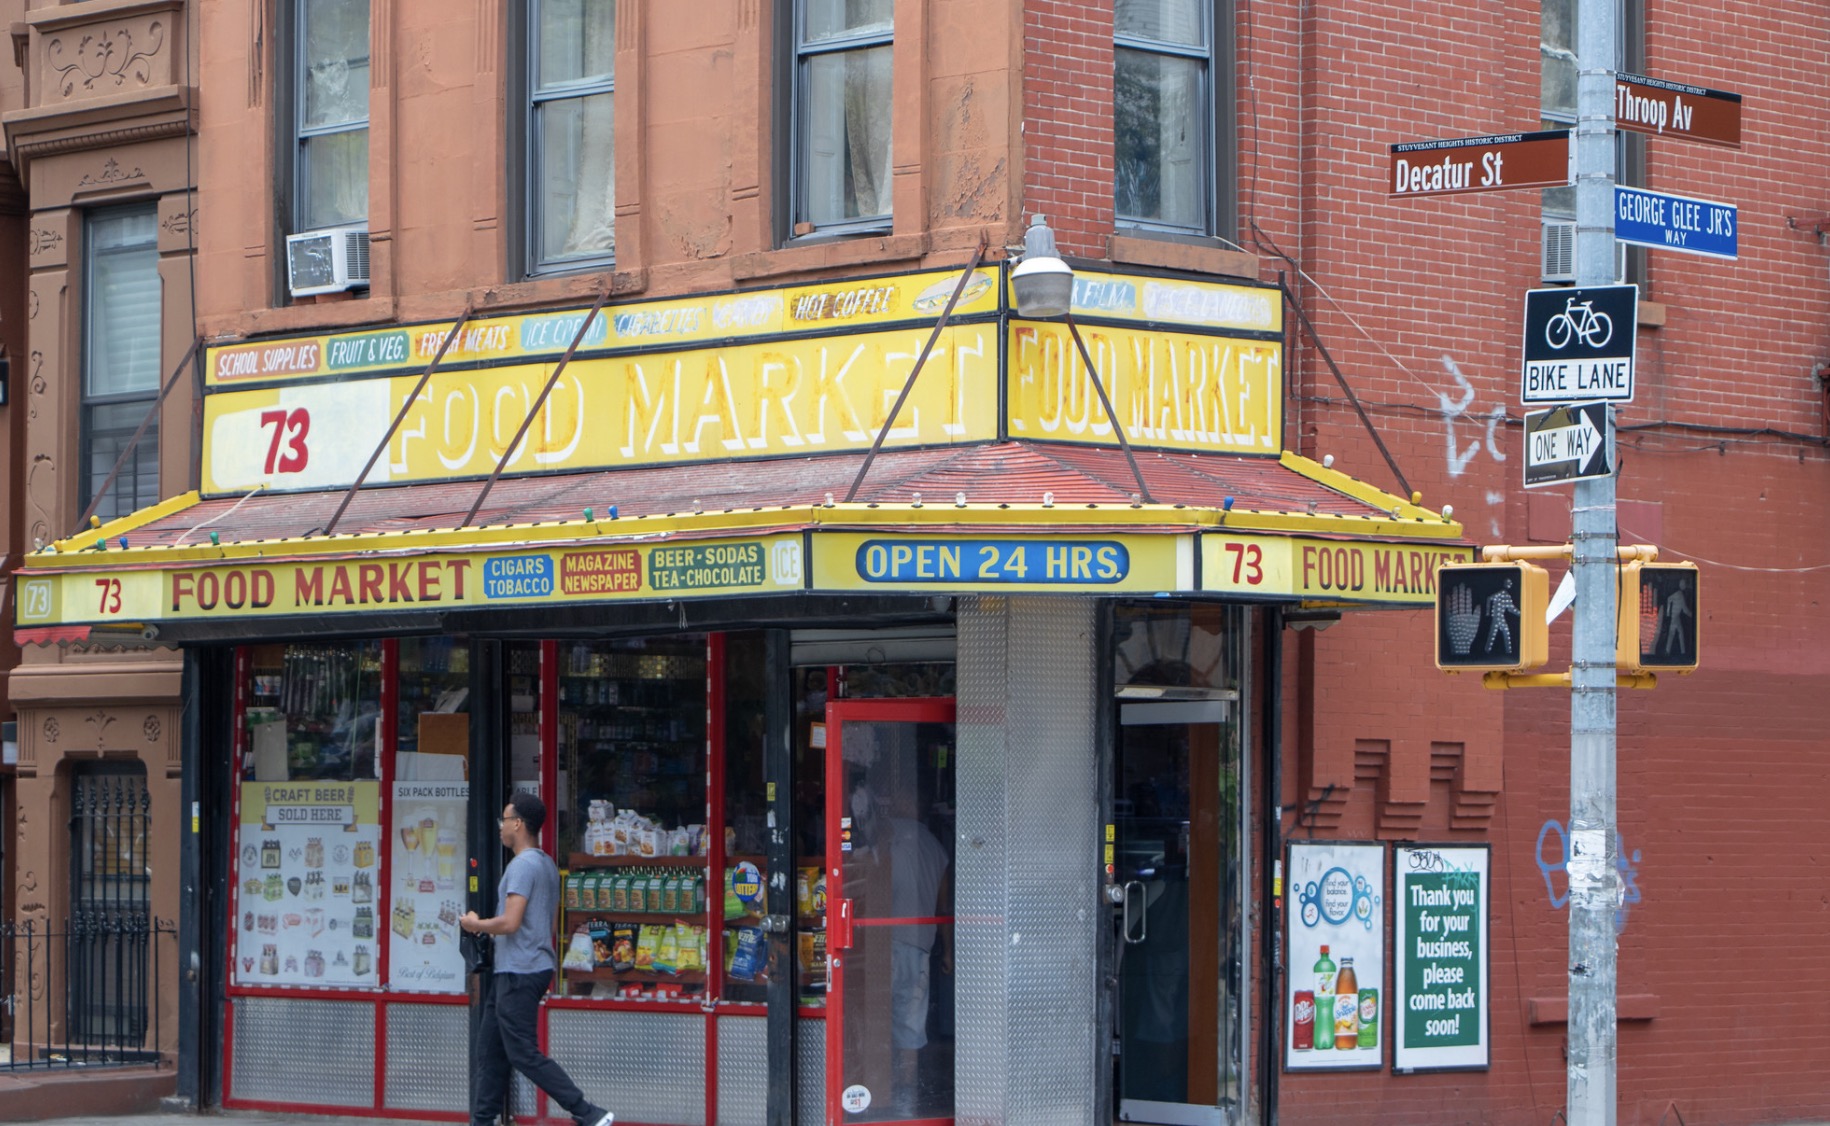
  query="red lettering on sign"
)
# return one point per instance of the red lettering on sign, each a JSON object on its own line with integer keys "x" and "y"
{"x": 398, "y": 574}
{"x": 368, "y": 582}
{"x": 339, "y": 587}
{"x": 428, "y": 580}
{"x": 458, "y": 567}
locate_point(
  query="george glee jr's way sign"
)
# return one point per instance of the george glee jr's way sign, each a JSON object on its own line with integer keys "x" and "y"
{"x": 1480, "y": 164}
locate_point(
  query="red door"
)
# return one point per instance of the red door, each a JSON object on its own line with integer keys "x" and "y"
{"x": 890, "y": 812}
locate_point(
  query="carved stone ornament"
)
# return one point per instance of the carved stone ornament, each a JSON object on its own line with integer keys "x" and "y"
{"x": 110, "y": 174}
{"x": 43, "y": 239}
{"x": 151, "y": 728}
{"x": 102, "y": 60}
{"x": 52, "y": 729}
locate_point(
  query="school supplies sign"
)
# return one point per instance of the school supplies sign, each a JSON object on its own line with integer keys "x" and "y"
{"x": 1440, "y": 1014}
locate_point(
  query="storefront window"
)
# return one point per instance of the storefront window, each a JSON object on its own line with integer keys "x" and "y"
{"x": 632, "y": 832}
{"x": 314, "y": 712}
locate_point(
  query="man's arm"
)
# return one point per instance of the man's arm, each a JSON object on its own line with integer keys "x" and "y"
{"x": 514, "y": 909}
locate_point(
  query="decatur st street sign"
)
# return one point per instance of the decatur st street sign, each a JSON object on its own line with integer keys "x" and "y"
{"x": 1480, "y": 164}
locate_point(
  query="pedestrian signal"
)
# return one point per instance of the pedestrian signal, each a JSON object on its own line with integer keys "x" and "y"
{"x": 1490, "y": 617}
{"x": 1659, "y": 607}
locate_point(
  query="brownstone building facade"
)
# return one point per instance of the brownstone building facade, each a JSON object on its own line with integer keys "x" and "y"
{"x": 665, "y": 274}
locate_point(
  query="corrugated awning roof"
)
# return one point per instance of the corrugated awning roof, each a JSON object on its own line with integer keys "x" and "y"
{"x": 1006, "y": 473}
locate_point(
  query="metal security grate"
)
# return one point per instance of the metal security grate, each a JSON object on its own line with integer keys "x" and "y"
{"x": 107, "y": 958}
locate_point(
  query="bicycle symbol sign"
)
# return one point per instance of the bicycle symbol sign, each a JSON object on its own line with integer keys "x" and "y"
{"x": 1579, "y": 344}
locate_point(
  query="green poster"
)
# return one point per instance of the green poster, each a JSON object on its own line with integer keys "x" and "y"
{"x": 1441, "y": 958}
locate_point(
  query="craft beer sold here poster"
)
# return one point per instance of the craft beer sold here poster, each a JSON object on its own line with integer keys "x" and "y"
{"x": 1439, "y": 931}
{"x": 1335, "y": 899}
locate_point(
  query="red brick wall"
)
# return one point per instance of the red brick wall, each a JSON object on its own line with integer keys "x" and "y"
{"x": 1723, "y": 462}
{"x": 1067, "y": 122}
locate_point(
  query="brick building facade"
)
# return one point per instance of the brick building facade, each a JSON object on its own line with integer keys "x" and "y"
{"x": 1267, "y": 165}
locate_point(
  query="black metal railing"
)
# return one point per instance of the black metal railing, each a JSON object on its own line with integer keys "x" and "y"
{"x": 85, "y": 994}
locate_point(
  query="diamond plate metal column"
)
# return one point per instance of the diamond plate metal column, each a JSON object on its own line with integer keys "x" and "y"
{"x": 1027, "y": 860}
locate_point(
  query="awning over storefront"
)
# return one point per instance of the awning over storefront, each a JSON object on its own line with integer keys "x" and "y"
{"x": 1010, "y": 516}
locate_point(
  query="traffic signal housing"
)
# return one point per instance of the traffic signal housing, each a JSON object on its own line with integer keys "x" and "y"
{"x": 1659, "y": 609}
{"x": 1490, "y": 617}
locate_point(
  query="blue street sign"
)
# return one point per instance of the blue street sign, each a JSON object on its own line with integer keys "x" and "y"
{"x": 1675, "y": 222}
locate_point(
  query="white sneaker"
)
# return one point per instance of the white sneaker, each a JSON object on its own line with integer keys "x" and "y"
{"x": 606, "y": 1120}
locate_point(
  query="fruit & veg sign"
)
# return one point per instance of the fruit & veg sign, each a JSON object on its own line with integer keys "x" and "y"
{"x": 1334, "y": 1004}
{"x": 1439, "y": 998}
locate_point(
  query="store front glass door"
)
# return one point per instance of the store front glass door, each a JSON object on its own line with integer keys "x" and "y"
{"x": 890, "y": 811}
{"x": 1176, "y": 815}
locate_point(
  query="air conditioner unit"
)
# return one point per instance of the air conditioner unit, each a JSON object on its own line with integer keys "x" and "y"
{"x": 1559, "y": 250}
{"x": 1559, "y": 256}
{"x": 327, "y": 261}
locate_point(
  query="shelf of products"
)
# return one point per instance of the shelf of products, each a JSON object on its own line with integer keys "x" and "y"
{"x": 313, "y": 711}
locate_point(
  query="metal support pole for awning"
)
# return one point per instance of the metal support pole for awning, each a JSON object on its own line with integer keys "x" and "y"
{"x": 552, "y": 380}
{"x": 1316, "y": 339}
{"x": 1143, "y": 490}
{"x": 400, "y": 417}
{"x": 82, "y": 521}
{"x": 908, "y": 384}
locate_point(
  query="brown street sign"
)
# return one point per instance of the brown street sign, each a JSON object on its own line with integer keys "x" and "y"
{"x": 1481, "y": 164}
{"x": 1672, "y": 109}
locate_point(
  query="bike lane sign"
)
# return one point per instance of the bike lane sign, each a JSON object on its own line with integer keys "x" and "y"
{"x": 1579, "y": 344}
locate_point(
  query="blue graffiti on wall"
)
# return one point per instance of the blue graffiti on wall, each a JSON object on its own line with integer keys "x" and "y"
{"x": 1627, "y": 863}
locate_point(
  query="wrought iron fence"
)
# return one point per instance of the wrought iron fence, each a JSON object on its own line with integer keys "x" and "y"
{"x": 85, "y": 994}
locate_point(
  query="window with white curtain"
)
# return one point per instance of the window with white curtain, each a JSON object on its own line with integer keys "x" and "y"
{"x": 842, "y": 112}
{"x": 571, "y": 132}
{"x": 1558, "y": 61}
{"x": 1163, "y": 114}
{"x": 331, "y": 113}
{"x": 120, "y": 358}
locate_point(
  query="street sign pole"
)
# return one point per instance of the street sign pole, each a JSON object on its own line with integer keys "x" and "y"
{"x": 1593, "y": 876}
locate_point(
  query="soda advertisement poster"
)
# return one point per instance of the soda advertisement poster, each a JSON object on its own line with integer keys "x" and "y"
{"x": 1334, "y": 997}
{"x": 1439, "y": 928}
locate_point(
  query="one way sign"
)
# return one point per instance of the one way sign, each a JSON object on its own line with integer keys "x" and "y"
{"x": 1574, "y": 442}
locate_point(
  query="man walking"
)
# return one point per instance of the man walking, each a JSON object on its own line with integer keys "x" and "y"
{"x": 522, "y": 926}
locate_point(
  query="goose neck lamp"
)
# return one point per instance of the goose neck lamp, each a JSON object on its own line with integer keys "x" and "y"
{"x": 1044, "y": 284}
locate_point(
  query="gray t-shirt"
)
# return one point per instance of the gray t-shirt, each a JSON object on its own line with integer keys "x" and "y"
{"x": 529, "y": 950}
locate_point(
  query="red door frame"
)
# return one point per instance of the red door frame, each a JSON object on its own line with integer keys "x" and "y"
{"x": 838, "y": 713}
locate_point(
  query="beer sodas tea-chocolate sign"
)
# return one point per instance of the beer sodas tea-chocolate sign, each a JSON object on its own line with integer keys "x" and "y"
{"x": 1334, "y": 1000}
{"x": 1439, "y": 995}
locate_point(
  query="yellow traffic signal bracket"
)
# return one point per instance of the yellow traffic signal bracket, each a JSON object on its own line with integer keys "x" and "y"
{"x": 1631, "y": 557}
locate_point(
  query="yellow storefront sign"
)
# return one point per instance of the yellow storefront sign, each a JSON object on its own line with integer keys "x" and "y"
{"x": 1324, "y": 570}
{"x": 1170, "y": 390}
{"x": 1177, "y": 302}
{"x": 1082, "y": 564}
{"x": 819, "y": 307}
{"x": 514, "y": 578}
{"x": 310, "y": 804}
{"x": 805, "y": 396}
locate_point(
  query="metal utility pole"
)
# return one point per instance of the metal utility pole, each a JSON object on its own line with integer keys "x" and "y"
{"x": 1594, "y": 881}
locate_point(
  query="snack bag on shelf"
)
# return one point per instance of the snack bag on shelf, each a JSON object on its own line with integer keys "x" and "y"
{"x": 622, "y": 947}
{"x": 647, "y": 944}
{"x": 667, "y": 953}
{"x": 689, "y": 938}
{"x": 750, "y": 952}
{"x": 618, "y": 883}
{"x": 670, "y": 894}
{"x": 579, "y": 953}
{"x": 657, "y": 884}
{"x": 573, "y": 880}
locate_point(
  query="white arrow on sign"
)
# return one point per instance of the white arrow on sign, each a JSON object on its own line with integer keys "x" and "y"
{"x": 1573, "y": 442}
{"x": 1579, "y": 442}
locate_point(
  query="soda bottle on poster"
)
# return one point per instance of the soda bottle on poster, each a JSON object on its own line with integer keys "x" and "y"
{"x": 1302, "y": 1020}
{"x": 1347, "y": 1008}
{"x": 1324, "y": 1000}
{"x": 1369, "y": 1018}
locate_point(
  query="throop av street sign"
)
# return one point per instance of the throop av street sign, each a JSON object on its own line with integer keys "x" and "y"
{"x": 1579, "y": 344}
{"x": 1568, "y": 443}
{"x": 1673, "y": 109}
{"x": 1675, "y": 222}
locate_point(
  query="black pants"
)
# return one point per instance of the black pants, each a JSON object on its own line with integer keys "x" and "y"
{"x": 508, "y": 1036}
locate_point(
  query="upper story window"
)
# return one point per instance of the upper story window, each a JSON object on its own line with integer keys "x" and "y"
{"x": 331, "y": 114}
{"x": 1558, "y": 65}
{"x": 842, "y": 112}
{"x": 571, "y": 131}
{"x": 1164, "y": 116}
{"x": 120, "y": 358}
